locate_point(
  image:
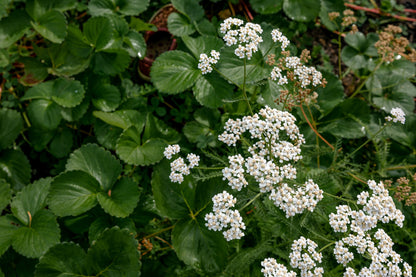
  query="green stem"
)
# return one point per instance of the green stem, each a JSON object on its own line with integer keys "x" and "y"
{"x": 358, "y": 90}
{"x": 208, "y": 168}
{"x": 251, "y": 201}
{"x": 244, "y": 86}
{"x": 341, "y": 198}
{"x": 367, "y": 141}
{"x": 339, "y": 56}
{"x": 326, "y": 246}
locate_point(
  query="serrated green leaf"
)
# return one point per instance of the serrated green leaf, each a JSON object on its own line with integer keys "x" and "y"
{"x": 68, "y": 93}
{"x": 35, "y": 71}
{"x": 169, "y": 196}
{"x": 41, "y": 91}
{"x": 106, "y": 97}
{"x": 174, "y": 72}
{"x": 44, "y": 113}
{"x": 135, "y": 44}
{"x": 33, "y": 241}
{"x": 76, "y": 113}
{"x": 197, "y": 246}
{"x": 103, "y": 223}
{"x": 4, "y": 58}
{"x": 122, "y": 119}
{"x": 97, "y": 31}
{"x": 5, "y": 194}
{"x": 39, "y": 137}
{"x": 65, "y": 259}
{"x": 266, "y": 7}
{"x": 11, "y": 123}
{"x": 61, "y": 144}
{"x": 190, "y": 8}
{"x": 113, "y": 254}
{"x": 156, "y": 128}
{"x": 131, "y": 7}
{"x": 331, "y": 95}
{"x": 232, "y": 67}
{"x": 352, "y": 58}
{"x": 193, "y": 130}
{"x": 300, "y": 10}
{"x": 211, "y": 90}
{"x": 111, "y": 62}
{"x": 205, "y": 27}
{"x": 52, "y": 25}
{"x": 36, "y": 8}
{"x": 107, "y": 134}
{"x": 13, "y": 27}
{"x": 97, "y": 162}
{"x": 132, "y": 151}
{"x": 179, "y": 25}
{"x": 121, "y": 200}
{"x": 30, "y": 200}
{"x": 8, "y": 225}
{"x": 73, "y": 193}
{"x": 202, "y": 44}
{"x": 15, "y": 168}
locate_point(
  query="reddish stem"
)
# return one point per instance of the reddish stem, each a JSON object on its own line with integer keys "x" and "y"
{"x": 314, "y": 130}
{"x": 377, "y": 11}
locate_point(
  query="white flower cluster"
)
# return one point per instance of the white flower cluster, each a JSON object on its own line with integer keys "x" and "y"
{"x": 178, "y": 167}
{"x": 379, "y": 207}
{"x": 223, "y": 217}
{"x": 303, "y": 74}
{"x": 398, "y": 116}
{"x": 272, "y": 269}
{"x": 205, "y": 62}
{"x": 277, "y": 36}
{"x": 247, "y": 37}
{"x": 305, "y": 257}
{"x": 270, "y": 159}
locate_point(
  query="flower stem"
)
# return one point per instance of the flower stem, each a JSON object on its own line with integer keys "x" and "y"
{"x": 340, "y": 198}
{"x": 251, "y": 201}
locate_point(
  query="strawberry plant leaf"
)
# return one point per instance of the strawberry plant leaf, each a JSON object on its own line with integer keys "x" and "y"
{"x": 190, "y": 8}
{"x": 300, "y": 10}
{"x": 8, "y": 225}
{"x": 13, "y": 27}
{"x": 15, "y": 168}
{"x": 122, "y": 119}
{"x": 111, "y": 61}
{"x": 52, "y": 25}
{"x": 30, "y": 200}
{"x": 202, "y": 44}
{"x": 121, "y": 200}
{"x": 34, "y": 240}
{"x": 211, "y": 90}
{"x": 73, "y": 193}
{"x": 97, "y": 162}
{"x": 131, "y": 7}
{"x": 103, "y": 223}
{"x": 61, "y": 144}
{"x": 266, "y": 7}
{"x": 96, "y": 31}
{"x": 11, "y": 123}
{"x": 5, "y": 194}
{"x": 68, "y": 93}
{"x": 106, "y": 97}
{"x": 180, "y": 25}
{"x": 44, "y": 113}
{"x": 174, "y": 72}
{"x": 132, "y": 151}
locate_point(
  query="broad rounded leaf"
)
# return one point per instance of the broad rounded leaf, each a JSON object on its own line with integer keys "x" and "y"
{"x": 111, "y": 62}
{"x": 135, "y": 44}
{"x": 132, "y": 151}
{"x": 5, "y": 194}
{"x": 61, "y": 144}
{"x": 15, "y": 168}
{"x": 11, "y": 123}
{"x": 97, "y": 162}
{"x": 43, "y": 90}
{"x": 44, "y": 113}
{"x": 122, "y": 119}
{"x": 168, "y": 196}
{"x": 232, "y": 67}
{"x": 33, "y": 241}
{"x": 352, "y": 58}
{"x": 266, "y": 6}
{"x": 52, "y": 25}
{"x": 301, "y": 10}
{"x": 106, "y": 134}
{"x": 195, "y": 245}
{"x": 68, "y": 93}
{"x": 156, "y": 128}
{"x": 121, "y": 200}
{"x": 113, "y": 254}
{"x": 8, "y": 225}
{"x": 202, "y": 44}
{"x": 76, "y": 113}
{"x": 106, "y": 97}
{"x": 179, "y": 25}
{"x": 189, "y": 7}
{"x": 174, "y": 71}
{"x": 30, "y": 200}
{"x": 211, "y": 90}
{"x": 131, "y": 7}
{"x": 73, "y": 193}
{"x": 13, "y": 27}
{"x": 65, "y": 259}
{"x": 97, "y": 30}
{"x": 35, "y": 71}
{"x": 102, "y": 223}
{"x": 331, "y": 95}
